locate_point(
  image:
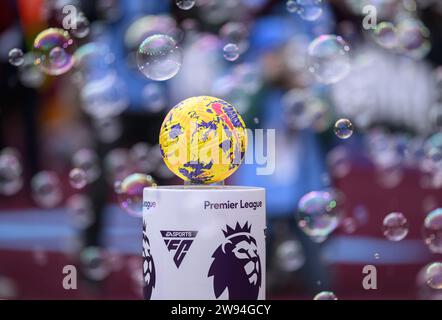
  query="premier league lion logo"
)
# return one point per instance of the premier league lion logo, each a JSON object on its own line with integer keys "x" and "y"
{"x": 148, "y": 266}
{"x": 236, "y": 265}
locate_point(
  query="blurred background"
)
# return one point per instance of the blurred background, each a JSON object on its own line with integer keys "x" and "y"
{"x": 352, "y": 88}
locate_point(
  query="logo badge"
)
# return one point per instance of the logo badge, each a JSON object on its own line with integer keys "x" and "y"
{"x": 148, "y": 266}
{"x": 178, "y": 242}
{"x": 236, "y": 265}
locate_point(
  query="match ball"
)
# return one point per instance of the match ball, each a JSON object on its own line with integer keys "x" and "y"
{"x": 203, "y": 140}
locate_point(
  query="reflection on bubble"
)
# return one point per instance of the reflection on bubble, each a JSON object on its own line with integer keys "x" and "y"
{"x": 159, "y": 58}
{"x": 325, "y": 295}
{"x": 433, "y": 230}
{"x": 328, "y": 58}
{"x": 54, "y": 50}
{"x": 77, "y": 178}
{"x": 385, "y": 35}
{"x": 87, "y": 160}
{"x": 231, "y": 52}
{"x": 16, "y": 57}
{"x": 94, "y": 264}
{"x": 46, "y": 190}
{"x": 433, "y": 275}
{"x": 131, "y": 194}
{"x": 185, "y": 4}
{"x": 290, "y": 256}
{"x": 10, "y": 174}
{"x": 80, "y": 209}
{"x": 317, "y": 214}
{"x": 343, "y": 129}
{"x": 395, "y": 226}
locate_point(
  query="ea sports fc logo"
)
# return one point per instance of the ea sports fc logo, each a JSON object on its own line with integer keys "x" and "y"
{"x": 178, "y": 242}
{"x": 237, "y": 265}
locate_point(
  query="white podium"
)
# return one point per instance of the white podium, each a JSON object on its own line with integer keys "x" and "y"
{"x": 204, "y": 242}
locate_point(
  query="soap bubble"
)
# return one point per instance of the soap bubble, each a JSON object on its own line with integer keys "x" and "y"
{"x": 185, "y": 4}
{"x": 16, "y": 57}
{"x": 80, "y": 210}
{"x": 46, "y": 190}
{"x": 317, "y": 214}
{"x": 349, "y": 225}
{"x": 105, "y": 99}
{"x": 77, "y": 178}
{"x": 118, "y": 164}
{"x": 29, "y": 74}
{"x": 290, "y": 256}
{"x": 343, "y": 129}
{"x": 82, "y": 30}
{"x": 309, "y": 10}
{"x": 236, "y": 33}
{"x": 54, "y": 50}
{"x": 231, "y": 52}
{"x": 154, "y": 96}
{"x": 94, "y": 264}
{"x": 159, "y": 58}
{"x": 433, "y": 275}
{"x": 141, "y": 157}
{"x": 10, "y": 174}
{"x": 395, "y": 226}
{"x": 385, "y": 35}
{"x": 433, "y": 230}
{"x": 131, "y": 193}
{"x": 414, "y": 38}
{"x": 433, "y": 147}
{"x": 325, "y": 295}
{"x": 108, "y": 129}
{"x": 87, "y": 160}
{"x": 328, "y": 58}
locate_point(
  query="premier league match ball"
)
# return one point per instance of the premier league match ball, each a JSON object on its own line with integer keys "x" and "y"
{"x": 203, "y": 140}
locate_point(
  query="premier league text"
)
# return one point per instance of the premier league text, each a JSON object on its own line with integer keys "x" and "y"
{"x": 232, "y": 205}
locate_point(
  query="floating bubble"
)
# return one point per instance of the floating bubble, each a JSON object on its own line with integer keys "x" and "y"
{"x": 54, "y": 50}
{"x": 325, "y": 295}
{"x": 10, "y": 174}
{"x": 317, "y": 214}
{"x": 94, "y": 264}
{"x": 290, "y": 256}
{"x": 328, "y": 58}
{"x": 16, "y": 57}
{"x": 377, "y": 256}
{"x": 433, "y": 275}
{"x": 236, "y": 33}
{"x": 185, "y": 4}
{"x": 78, "y": 178}
{"x": 338, "y": 160}
{"x": 29, "y": 74}
{"x": 231, "y": 52}
{"x": 302, "y": 109}
{"x": 82, "y": 27}
{"x": 105, "y": 99}
{"x": 46, "y": 190}
{"x": 87, "y": 160}
{"x": 8, "y": 288}
{"x": 343, "y": 129}
{"x": 395, "y": 226}
{"x": 141, "y": 157}
{"x": 433, "y": 147}
{"x": 131, "y": 195}
{"x": 159, "y": 58}
{"x": 349, "y": 225}
{"x": 80, "y": 209}
{"x": 118, "y": 164}
{"x": 154, "y": 96}
{"x": 433, "y": 230}
{"x": 309, "y": 10}
{"x": 414, "y": 38}
{"x": 385, "y": 35}
{"x": 108, "y": 129}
